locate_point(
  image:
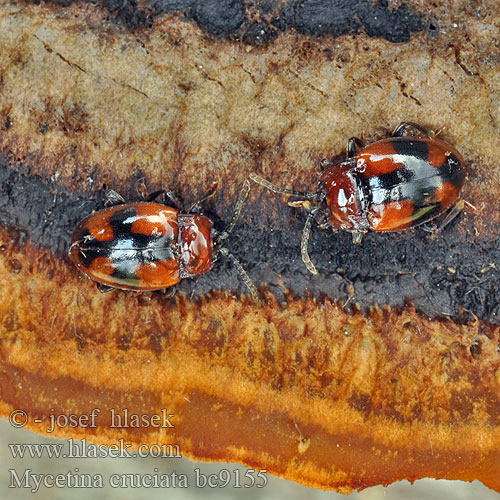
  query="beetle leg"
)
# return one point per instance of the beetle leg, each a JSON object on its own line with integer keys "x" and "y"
{"x": 435, "y": 133}
{"x": 353, "y": 144}
{"x": 429, "y": 228}
{"x": 453, "y": 212}
{"x": 321, "y": 218}
{"x": 140, "y": 188}
{"x": 236, "y": 213}
{"x": 305, "y": 243}
{"x": 402, "y": 129}
{"x": 105, "y": 288}
{"x": 169, "y": 292}
{"x": 304, "y": 204}
{"x": 196, "y": 207}
{"x": 357, "y": 236}
{"x": 152, "y": 196}
{"x": 113, "y": 198}
{"x": 171, "y": 199}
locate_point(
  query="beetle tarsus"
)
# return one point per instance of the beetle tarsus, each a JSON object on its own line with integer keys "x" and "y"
{"x": 453, "y": 212}
{"x": 105, "y": 288}
{"x": 325, "y": 163}
{"x": 171, "y": 199}
{"x": 152, "y": 196}
{"x": 402, "y": 129}
{"x": 169, "y": 292}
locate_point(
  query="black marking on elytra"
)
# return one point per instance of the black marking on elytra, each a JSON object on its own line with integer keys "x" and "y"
{"x": 402, "y": 184}
{"x": 417, "y": 180}
{"x": 398, "y": 186}
{"x": 90, "y": 252}
{"x": 122, "y": 228}
{"x": 127, "y": 262}
{"x": 395, "y": 178}
{"x": 408, "y": 147}
{"x": 258, "y": 22}
{"x": 87, "y": 256}
{"x": 127, "y": 249}
{"x": 122, "y": 213}
{"x": 452, "y": 275}
{"x": 450, "y": 173}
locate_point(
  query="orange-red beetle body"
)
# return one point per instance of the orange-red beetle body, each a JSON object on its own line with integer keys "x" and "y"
{"x": 142, "y": 246}
{"x": 389, "y": 185}
{"x": 393, "y": 184}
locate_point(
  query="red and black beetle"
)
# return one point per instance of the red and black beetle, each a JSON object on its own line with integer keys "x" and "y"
{"x": 390, "y": 185}
{"x": 150, "y": 246}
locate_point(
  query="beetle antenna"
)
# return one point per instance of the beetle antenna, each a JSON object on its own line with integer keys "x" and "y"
{"x": 226, "y": 253}
{"x": 275, "y": 189}
{"x": 243, "y": 274}
{"x": 304, "y": 244}
{"x": 236, "y": 213}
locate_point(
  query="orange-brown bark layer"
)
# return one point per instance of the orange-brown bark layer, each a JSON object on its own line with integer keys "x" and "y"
{"x": 305, "y": 391}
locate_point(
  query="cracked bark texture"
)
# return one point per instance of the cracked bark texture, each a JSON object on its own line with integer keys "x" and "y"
{"x": 383, "y": 367}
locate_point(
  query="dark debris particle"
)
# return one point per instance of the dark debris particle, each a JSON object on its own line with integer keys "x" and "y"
{"x": 8, "y": 123}
{"x": 44, "y": 128}
{"x": 15, "y": 266}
